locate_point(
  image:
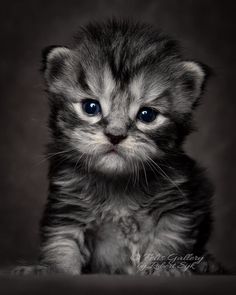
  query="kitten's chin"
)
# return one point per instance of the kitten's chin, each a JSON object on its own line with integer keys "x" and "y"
{"x": 111, "y": 163}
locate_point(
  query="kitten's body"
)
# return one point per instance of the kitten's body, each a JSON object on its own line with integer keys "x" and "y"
{"x": 119, "y": 226}
{"x": 122, "y": 192}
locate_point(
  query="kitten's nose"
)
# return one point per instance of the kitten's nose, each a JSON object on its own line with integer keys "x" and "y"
{"x": 115, "y": 139}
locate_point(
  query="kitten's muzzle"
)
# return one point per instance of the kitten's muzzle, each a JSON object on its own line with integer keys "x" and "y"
{"x": 116, "y": 131}
{"x": 115, "y": 139}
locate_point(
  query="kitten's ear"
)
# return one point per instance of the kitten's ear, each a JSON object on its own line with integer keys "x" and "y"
{"x": 190, "y": 82}
{"x": 57, "y": 67}
{"x": 53, "y": 58}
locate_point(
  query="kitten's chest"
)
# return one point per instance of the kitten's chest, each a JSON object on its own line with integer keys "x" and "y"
{"x": 121, "y": 222}
{"x": 118, "y": 236}
{"x": 126, "y": 217}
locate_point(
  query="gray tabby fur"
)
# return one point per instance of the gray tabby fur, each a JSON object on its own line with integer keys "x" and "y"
{"x": 118, "y": 212}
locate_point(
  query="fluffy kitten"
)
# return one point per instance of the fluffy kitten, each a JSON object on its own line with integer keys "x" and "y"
{"x": 123, "y": 195}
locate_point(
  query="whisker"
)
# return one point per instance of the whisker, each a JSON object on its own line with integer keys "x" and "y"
{"x": 165, "y": 175}
{"x": 145, "y": 174}
{"x": 77, "y": 162}
{"x": 51, "y": 155}
{"x": 134, "y": 174}
{"x": 138, "y": 171}
{"x": 130, "y": 176}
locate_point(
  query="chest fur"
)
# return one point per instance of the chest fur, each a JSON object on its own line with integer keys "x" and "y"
{"x": 118, "y": 238}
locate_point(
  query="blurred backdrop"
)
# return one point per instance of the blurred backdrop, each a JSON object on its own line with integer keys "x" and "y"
{"x": 207, "y": 30}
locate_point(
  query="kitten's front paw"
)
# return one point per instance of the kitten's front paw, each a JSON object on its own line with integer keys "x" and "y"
{"x": 160, "y": 270}
{"x": 173, "y": 272}
{"x": 30, "y": 270}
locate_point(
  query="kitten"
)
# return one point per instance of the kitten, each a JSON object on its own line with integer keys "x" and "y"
{"x": 123, "y": 195}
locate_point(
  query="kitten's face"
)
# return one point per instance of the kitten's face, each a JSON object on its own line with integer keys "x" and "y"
{"x": 119, "y": 120}
{"x": 117, "y": 126}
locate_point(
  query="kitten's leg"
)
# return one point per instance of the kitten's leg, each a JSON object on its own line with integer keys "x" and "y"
{"x": 24, "y": 270}
{"x": 63, "y": 250}
{"x": 209, "y": 265}
{"x": 171, "y": 237}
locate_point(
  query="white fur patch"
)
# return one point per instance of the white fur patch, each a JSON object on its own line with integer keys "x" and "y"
{"x": 108, "y": 87}
{"x": 137, "y": 86}
{"x": 89, "y": 143}
{"x": 158, "y": 122}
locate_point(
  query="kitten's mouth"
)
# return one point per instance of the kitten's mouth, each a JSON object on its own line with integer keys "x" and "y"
{"x": 111, "y": 160}
{"x": 112, "y": 150}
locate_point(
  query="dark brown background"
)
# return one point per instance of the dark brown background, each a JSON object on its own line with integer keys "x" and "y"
{"x": 207, "y": 30}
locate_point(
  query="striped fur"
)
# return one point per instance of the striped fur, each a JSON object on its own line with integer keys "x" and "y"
{"x": 149, "y": 198}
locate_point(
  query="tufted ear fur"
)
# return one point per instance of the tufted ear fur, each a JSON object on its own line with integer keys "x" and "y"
{"x": 190, "y": 81}
{"x": 57, "y": 67}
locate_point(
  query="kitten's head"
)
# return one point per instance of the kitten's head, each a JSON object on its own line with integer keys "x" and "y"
{"x": 121, "y": 97}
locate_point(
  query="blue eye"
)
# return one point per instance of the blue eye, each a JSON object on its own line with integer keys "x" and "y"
{"x": 91, "y": 107}
{"x": 147, "y": 115}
